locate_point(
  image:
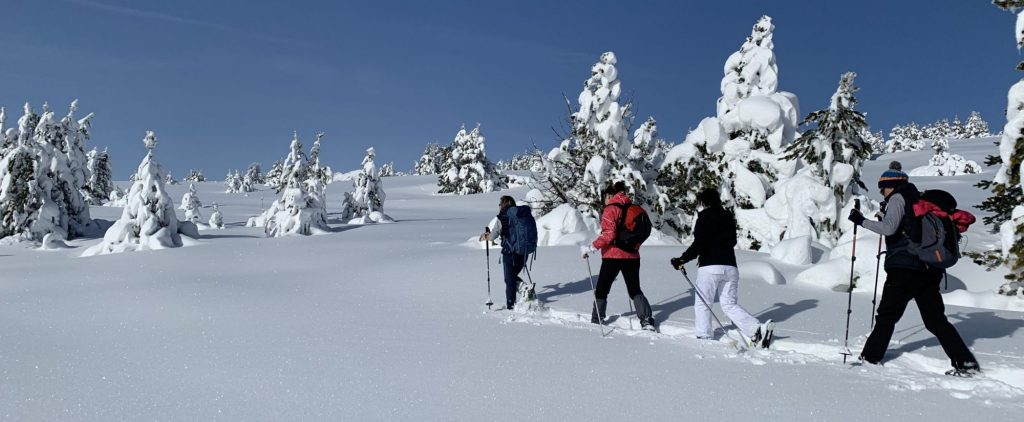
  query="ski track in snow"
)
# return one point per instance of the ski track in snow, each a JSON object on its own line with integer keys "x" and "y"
{"x": 910, "y": 371}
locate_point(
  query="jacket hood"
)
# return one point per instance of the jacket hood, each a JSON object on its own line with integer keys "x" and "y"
{"x": 618, "y": 199}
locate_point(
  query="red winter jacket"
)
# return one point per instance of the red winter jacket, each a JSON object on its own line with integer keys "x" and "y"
{"x": 609, "y": 224}
{"x": 961, "y": 218}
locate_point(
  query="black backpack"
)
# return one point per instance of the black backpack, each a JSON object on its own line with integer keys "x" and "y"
{"x": 940, "y": 240}
{"x": 633, "y": 229}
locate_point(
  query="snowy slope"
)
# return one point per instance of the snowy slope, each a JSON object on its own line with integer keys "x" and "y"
{"x": 386, "y": 322}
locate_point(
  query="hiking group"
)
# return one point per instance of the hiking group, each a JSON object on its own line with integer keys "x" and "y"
{"x": 921, "y": 232}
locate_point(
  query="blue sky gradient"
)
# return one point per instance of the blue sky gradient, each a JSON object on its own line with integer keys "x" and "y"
{"x": 224, "y": 83}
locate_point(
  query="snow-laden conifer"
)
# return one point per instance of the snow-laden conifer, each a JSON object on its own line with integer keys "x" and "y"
{"x": 366, "y": 204}
{"x": 468, "y": 171}
{"x": 148, "y": 220}
{"x": 191, "y": 204}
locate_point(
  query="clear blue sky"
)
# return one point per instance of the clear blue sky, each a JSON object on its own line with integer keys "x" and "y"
{"x": 224, "y": 83}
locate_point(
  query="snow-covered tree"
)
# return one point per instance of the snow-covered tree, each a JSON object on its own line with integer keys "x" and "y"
{"x": 233, "y": 182}
{"x": 740, "y": 151}
{"x": 302, "y": 207}
{"x": 170, "y": 179}
{"x": 191, "y": 204}
{"x": 97, "y": 189}
{"x": 976, "y": 127}
{"x": 366, "y": 204}
{"x": 945, "y": 164}
{"x": 430, "y": 161}
{"x": 832, "y": 153}
{"x": 253, "y": 176}
{"x": 216, "y": 219}
{"x": 905, "y": 138}
{"x": 148, "y": 220}
{"x": 596, "y": 151}
{"x": 387, "y": 169}
{"x": 469, "y": 171}
{"x": 321, "y": 173}
{"x": 195, "y": 176}
{"x": 44, "y": 172}
{"x": 876, "y": 140}
{"x": 957, "y": 129}
{"x": 273, "y": 177}
{"x": 1007, "y": 187}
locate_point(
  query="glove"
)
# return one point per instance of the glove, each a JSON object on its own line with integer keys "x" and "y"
{"x": 586, "y": 250}
{"x": 856, "y": 217}
{"x": 677, "y": 262}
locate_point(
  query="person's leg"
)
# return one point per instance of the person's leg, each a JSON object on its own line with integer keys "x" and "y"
{"x": 933, "y": 313}
{"x": 631, "y": 276}
{"x": 518, "y": 263}
{"x": 707, "y": 287}
{"x": 609, "y": 269}
{"x": 508, "y": 262}
{"x": 739, "y": 316}
{"x": 895, "y": 296}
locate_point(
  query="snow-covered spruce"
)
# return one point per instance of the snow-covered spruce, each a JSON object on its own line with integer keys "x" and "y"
{"x": 976, "y": 127}
{"x": 875, "y": 139}
{"x": 97, "y": 190}
{"x": 1007, "y": 187}
{"x": 387, "y": 169}
{"x": 945, "y": 164}
{"x": 195, "y": 176}
{"x": 42, "y": 177}
{"x": 431, "y": 160}
{"x": 366, "y": 204}
{"x": 216, "y": 219}
{"x": 468, "y": 171}
{"x": 148, "y": 220}
{"x": 905, "y": 138}
{"x": 273, "y": 177}
{"x": 170, "y": 179}
{"x": 253, "y": 176}
{"x": 598, "y": 150}
{"x": 322, "y": 174}
{"x": 302, "y": 208}
{"x": 191, "y": 204}
{"x": 233, "y": 182}
{"x": 740, "y": 151}
{"x": 812, "y": 202}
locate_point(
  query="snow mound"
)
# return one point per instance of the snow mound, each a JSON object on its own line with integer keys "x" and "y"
{"x": 763, "y": 270}
{"x": 372, "y": 218}
{"x": 345, "y": 177}
{"x": 52, "y": 242}
{"x": 564, "y": 225}
{"x": 796, "y": 251}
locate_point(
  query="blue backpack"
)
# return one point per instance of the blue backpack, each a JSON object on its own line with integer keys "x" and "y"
{"x": 522, "y": 230}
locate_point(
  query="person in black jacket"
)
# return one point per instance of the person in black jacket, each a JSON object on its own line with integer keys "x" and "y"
{"x": 908, "y": 278}
{"x": 714, "y": 237}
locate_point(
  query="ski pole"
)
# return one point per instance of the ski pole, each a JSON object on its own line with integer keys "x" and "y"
{"x": 849, "y": 292}
{"x": 487, "y": 232}
{"x": 874, "y": 297}
{"x": 700, "y": 296}
{"x": 594, "y": 289}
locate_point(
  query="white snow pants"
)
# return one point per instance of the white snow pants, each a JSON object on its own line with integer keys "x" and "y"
{"x": 720, "y": 281}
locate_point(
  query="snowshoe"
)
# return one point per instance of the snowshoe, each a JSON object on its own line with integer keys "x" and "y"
{"x": 965, "y": 370}
{"x": 763, "y": 336}
{"x": 649, "y": 325}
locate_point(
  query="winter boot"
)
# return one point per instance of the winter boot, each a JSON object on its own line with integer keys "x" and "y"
{"x": 599, "y": 312}
{"x": 644, "y": 313}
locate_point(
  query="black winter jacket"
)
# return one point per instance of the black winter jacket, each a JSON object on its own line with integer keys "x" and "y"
{"x": 714, "y": 238}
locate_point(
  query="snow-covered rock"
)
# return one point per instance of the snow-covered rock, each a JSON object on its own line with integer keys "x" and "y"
{"x": 796, "y": 251}
{"x": 562, "y": 226}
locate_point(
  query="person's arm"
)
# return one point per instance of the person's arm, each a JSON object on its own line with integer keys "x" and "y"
{"x": 894, "y": 210}
{"x": 609, "y": 222}
{"x": 495, "y": 229}
{"x": 700, "y": 241}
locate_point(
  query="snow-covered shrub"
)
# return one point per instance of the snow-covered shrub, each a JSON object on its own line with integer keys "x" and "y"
{"x": 148, "y": 220}
{"x": 468, "y": 171}
{"x": 195, "y": 176}
{"x": 190, "y": 204}
{"x": 945, "y": 164}
{"x": 216, "y": 219}
{"x": 366, "y": 204}
{"x": 740, "y": 150}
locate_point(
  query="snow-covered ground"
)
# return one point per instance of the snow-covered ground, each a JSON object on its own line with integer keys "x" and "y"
{"x": 386, "y": 322}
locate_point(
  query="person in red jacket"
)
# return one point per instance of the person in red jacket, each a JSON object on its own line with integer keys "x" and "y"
{"x": 615, "y": 260}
